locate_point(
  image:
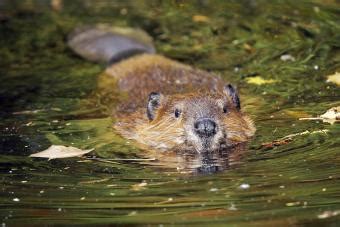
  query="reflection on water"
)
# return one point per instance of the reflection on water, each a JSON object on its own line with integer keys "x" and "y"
{"x": 193, "y": 162}
{"x": 44, "y": 94}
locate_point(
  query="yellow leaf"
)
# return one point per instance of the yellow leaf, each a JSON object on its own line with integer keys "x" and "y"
{"x": 200, "y": 18}
{"x": 259, "y": 80}
{"x": 335, "y": 78}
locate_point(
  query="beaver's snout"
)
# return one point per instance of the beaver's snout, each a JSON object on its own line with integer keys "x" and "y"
{"x": 205, "y": 127}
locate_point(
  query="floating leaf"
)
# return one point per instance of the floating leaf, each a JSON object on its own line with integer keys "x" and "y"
{"x": 200, "y": 18}
{"x": 331, "y": 116}
{"x": 259, "y": 80}
{"x": 58, "y": 151}
{"x": 335, "y": 78}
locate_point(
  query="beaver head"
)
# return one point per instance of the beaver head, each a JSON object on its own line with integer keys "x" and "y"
{"x": 193, "y": 121}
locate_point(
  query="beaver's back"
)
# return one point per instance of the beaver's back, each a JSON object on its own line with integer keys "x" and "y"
{"x": 136, "y": 77}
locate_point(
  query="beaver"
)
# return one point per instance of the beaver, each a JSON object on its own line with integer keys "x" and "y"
{"x": 160, "y": 103}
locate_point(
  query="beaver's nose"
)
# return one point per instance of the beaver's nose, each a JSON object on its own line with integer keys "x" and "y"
{"x": 205, "y": 127}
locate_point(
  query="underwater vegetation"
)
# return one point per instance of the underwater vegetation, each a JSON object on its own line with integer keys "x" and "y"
{"x": 284, "y": 57}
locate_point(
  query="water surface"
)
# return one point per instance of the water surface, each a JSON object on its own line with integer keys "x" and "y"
{"x": 44, "y": 97}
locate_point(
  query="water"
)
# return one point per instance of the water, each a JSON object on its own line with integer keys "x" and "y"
{"x": 44, "y": 96}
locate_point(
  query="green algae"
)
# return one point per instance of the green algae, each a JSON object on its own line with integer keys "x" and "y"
{"x": 46, "y": 96}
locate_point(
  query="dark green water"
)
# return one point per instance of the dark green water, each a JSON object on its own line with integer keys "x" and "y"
{"x": 44, "y": 100}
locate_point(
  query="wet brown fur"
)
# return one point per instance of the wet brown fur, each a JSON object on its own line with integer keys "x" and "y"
{"x": 181, "y": 85}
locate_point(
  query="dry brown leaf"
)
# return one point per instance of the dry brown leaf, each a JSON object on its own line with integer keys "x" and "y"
{"x": 331, "y": 116}
{"x": 59, "y": 151}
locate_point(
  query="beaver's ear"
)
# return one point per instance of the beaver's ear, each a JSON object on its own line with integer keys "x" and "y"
{"x": 154, "y": 101}
{"x": 231, "y": 93}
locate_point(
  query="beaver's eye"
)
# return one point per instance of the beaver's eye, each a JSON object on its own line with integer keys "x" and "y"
{"x": 225, "y": 110}
{"x": 177, "y": 113}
